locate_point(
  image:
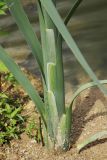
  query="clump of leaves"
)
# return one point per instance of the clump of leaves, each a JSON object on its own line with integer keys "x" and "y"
{"x": 33, "y": 130}
{"x": 3, "y": 7}
{"x": 9, "y": 77}
{"x": 11, "y": 120}
{"x": 12, "y": 99}
{"x": 11, "y": 105}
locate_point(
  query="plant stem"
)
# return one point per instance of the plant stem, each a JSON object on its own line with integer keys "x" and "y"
{"x": 40, "y": 129}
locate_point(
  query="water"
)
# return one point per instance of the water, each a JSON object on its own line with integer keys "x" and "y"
{"x": 89, "y": 29}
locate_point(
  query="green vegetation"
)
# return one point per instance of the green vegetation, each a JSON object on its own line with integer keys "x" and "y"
{"x": 33, "y": 130}
{"x": 56, "y": 116}
{"x": 3, "y": 68}
{"x": 3, "y": 7}
{"x": 11, "y": 121}
{"x": 9, "y": 77}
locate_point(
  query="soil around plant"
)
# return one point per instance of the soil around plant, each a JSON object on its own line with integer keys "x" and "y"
{"x": 89, "y": 117}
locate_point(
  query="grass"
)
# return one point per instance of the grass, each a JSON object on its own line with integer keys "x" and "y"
{"x": 11, "y": 120}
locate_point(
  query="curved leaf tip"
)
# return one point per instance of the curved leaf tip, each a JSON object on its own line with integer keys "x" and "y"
{"x": 91, "y": 139}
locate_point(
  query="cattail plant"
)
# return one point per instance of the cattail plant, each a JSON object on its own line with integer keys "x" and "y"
{"x": 56, "y": 116}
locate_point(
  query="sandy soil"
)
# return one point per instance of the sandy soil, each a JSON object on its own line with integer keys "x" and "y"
{"x": 89, "y": 117}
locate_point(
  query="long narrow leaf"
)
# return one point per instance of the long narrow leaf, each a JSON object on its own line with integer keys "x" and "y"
{"x": 43, "y": 35}
{"x": 60, "y": 95}
{"x": 51, "y": 10}
{"x": 22, "y": 79}
{"x": 44, "y": 50}
{"x": 84, "y": 87}
{"x": 91, "y": 139}
{"x": 71, "y": 12}
{"x": 23, "y": 23}
{"x": 59, "y": 57}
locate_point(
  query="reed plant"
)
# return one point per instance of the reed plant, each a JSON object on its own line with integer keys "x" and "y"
{"x": 56, "y": 116}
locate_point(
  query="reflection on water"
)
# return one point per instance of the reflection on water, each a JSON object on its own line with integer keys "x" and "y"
{"x": 88, "y": 27}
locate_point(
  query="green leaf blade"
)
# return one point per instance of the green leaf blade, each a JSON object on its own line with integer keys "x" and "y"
{"x": 84, "y": 87}
{"x": 71, "y": 12}
{"x": 51, "y": 10}
{"x": 25, "y": 27}
{"x": 22, "y": 79}
{"x": 91, "y": 139}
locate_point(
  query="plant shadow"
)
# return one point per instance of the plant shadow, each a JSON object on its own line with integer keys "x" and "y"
{"x": 82, "y": 108}
{"x": 100, "y": 141}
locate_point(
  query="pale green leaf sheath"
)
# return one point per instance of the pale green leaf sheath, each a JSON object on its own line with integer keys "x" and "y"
{"x": 50, "y": 40}
{"x": 53, "y": 56}
{"x": 51, "y": 10}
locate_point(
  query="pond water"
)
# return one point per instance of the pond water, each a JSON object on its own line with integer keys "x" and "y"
{"x": 88, "y": 27}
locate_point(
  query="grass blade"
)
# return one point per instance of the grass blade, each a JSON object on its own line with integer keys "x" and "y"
{"x": 25, "y": 27}
{"x": 93, "y": 138}
{"x": 53, "y": 13}
{"x": 60, "y": 95}
{"x": 22, "y": 79}
{"x": 71, "y": 12}
{"x": 84, "y": 87}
